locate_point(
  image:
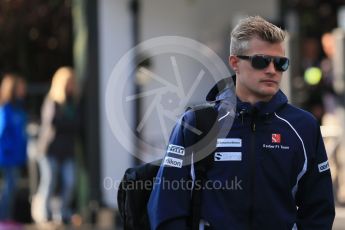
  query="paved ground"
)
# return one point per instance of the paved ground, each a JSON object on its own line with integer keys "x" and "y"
{"x": 104, "y": 223}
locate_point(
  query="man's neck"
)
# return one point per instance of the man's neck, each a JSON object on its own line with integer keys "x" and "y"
{"x": 250, "y": 98}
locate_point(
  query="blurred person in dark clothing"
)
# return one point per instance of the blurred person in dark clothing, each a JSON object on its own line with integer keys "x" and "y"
{"x": 13, "y": 139}
{"x": 56, "y": 142}
{"x": 333, "y": 118}
{"x": 329, "y": 94}
{"x": 322, "y": 98}
{"x": 311, "y": 61}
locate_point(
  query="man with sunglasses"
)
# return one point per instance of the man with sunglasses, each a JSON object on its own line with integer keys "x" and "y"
{"x": 274, "y": 148}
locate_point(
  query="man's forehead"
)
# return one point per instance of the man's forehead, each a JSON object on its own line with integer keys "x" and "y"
{"x": 259, "y": 45}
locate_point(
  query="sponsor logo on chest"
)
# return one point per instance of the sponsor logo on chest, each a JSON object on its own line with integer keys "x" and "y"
{"x": 229, "y": 142}
{"x": 227, "y": 156}
{"x": 276, "y": 140}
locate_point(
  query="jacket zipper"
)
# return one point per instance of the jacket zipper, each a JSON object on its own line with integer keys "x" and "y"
{"x": 252, "y": 162}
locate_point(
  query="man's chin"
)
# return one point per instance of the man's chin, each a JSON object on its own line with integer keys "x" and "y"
{"x": 269, "y": 92}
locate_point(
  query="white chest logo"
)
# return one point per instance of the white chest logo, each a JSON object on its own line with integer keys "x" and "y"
{"x": 229, "y": 142}
{"x": 227, "y": 156}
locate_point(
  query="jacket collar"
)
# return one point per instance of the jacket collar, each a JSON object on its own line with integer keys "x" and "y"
{"x": 264, "y": 108}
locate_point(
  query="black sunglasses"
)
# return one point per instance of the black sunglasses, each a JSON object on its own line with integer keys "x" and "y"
{"x": 262, "y": 61}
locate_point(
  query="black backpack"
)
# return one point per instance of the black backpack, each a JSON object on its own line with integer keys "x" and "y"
{"x": 136, "y": 185}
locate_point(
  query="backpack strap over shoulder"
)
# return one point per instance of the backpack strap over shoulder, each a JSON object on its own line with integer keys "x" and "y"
{"x": 205, "y": 121}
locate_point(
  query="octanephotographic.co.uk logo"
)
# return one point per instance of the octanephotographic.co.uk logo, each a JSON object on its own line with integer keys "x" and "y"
{"x": 170, "y": 71}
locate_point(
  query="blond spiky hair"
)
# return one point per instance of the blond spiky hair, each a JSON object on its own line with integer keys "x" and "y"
{"x": 250, "y": 27}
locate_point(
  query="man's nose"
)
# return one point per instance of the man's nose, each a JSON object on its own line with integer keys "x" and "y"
{"x": 270, "y": 68}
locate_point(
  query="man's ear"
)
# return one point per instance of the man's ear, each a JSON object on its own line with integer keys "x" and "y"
{"x": 233, "y": 62}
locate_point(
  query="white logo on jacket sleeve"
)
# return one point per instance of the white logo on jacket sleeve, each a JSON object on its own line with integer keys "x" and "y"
{"x": 173, "y": 162}
{"x": 323, "y": 166}
{"x": 176, "y": 149}
{"x": 229, "y": 142}
{"x": 228, "y": 156}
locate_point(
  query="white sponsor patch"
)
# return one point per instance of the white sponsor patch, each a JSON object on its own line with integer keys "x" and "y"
{"x": 323, "y": 166}
{"x": 227, "y": 156}
{"x": 229, "y": 142}
{"x": 175, "y": 149}
{"x": 173, "y": 162}
{"x": 275, "y": 146}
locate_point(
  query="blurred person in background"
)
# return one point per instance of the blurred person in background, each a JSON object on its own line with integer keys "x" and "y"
{"x": 13, "y": 140}
{"x": 311, "y": 65}
{"x": 56, "y": 143}
{"x": 329, "y": 96}
{"x": 332, "y": 119}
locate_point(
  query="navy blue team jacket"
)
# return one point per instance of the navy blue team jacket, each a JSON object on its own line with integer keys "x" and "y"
{"x": 269, "y": 172}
